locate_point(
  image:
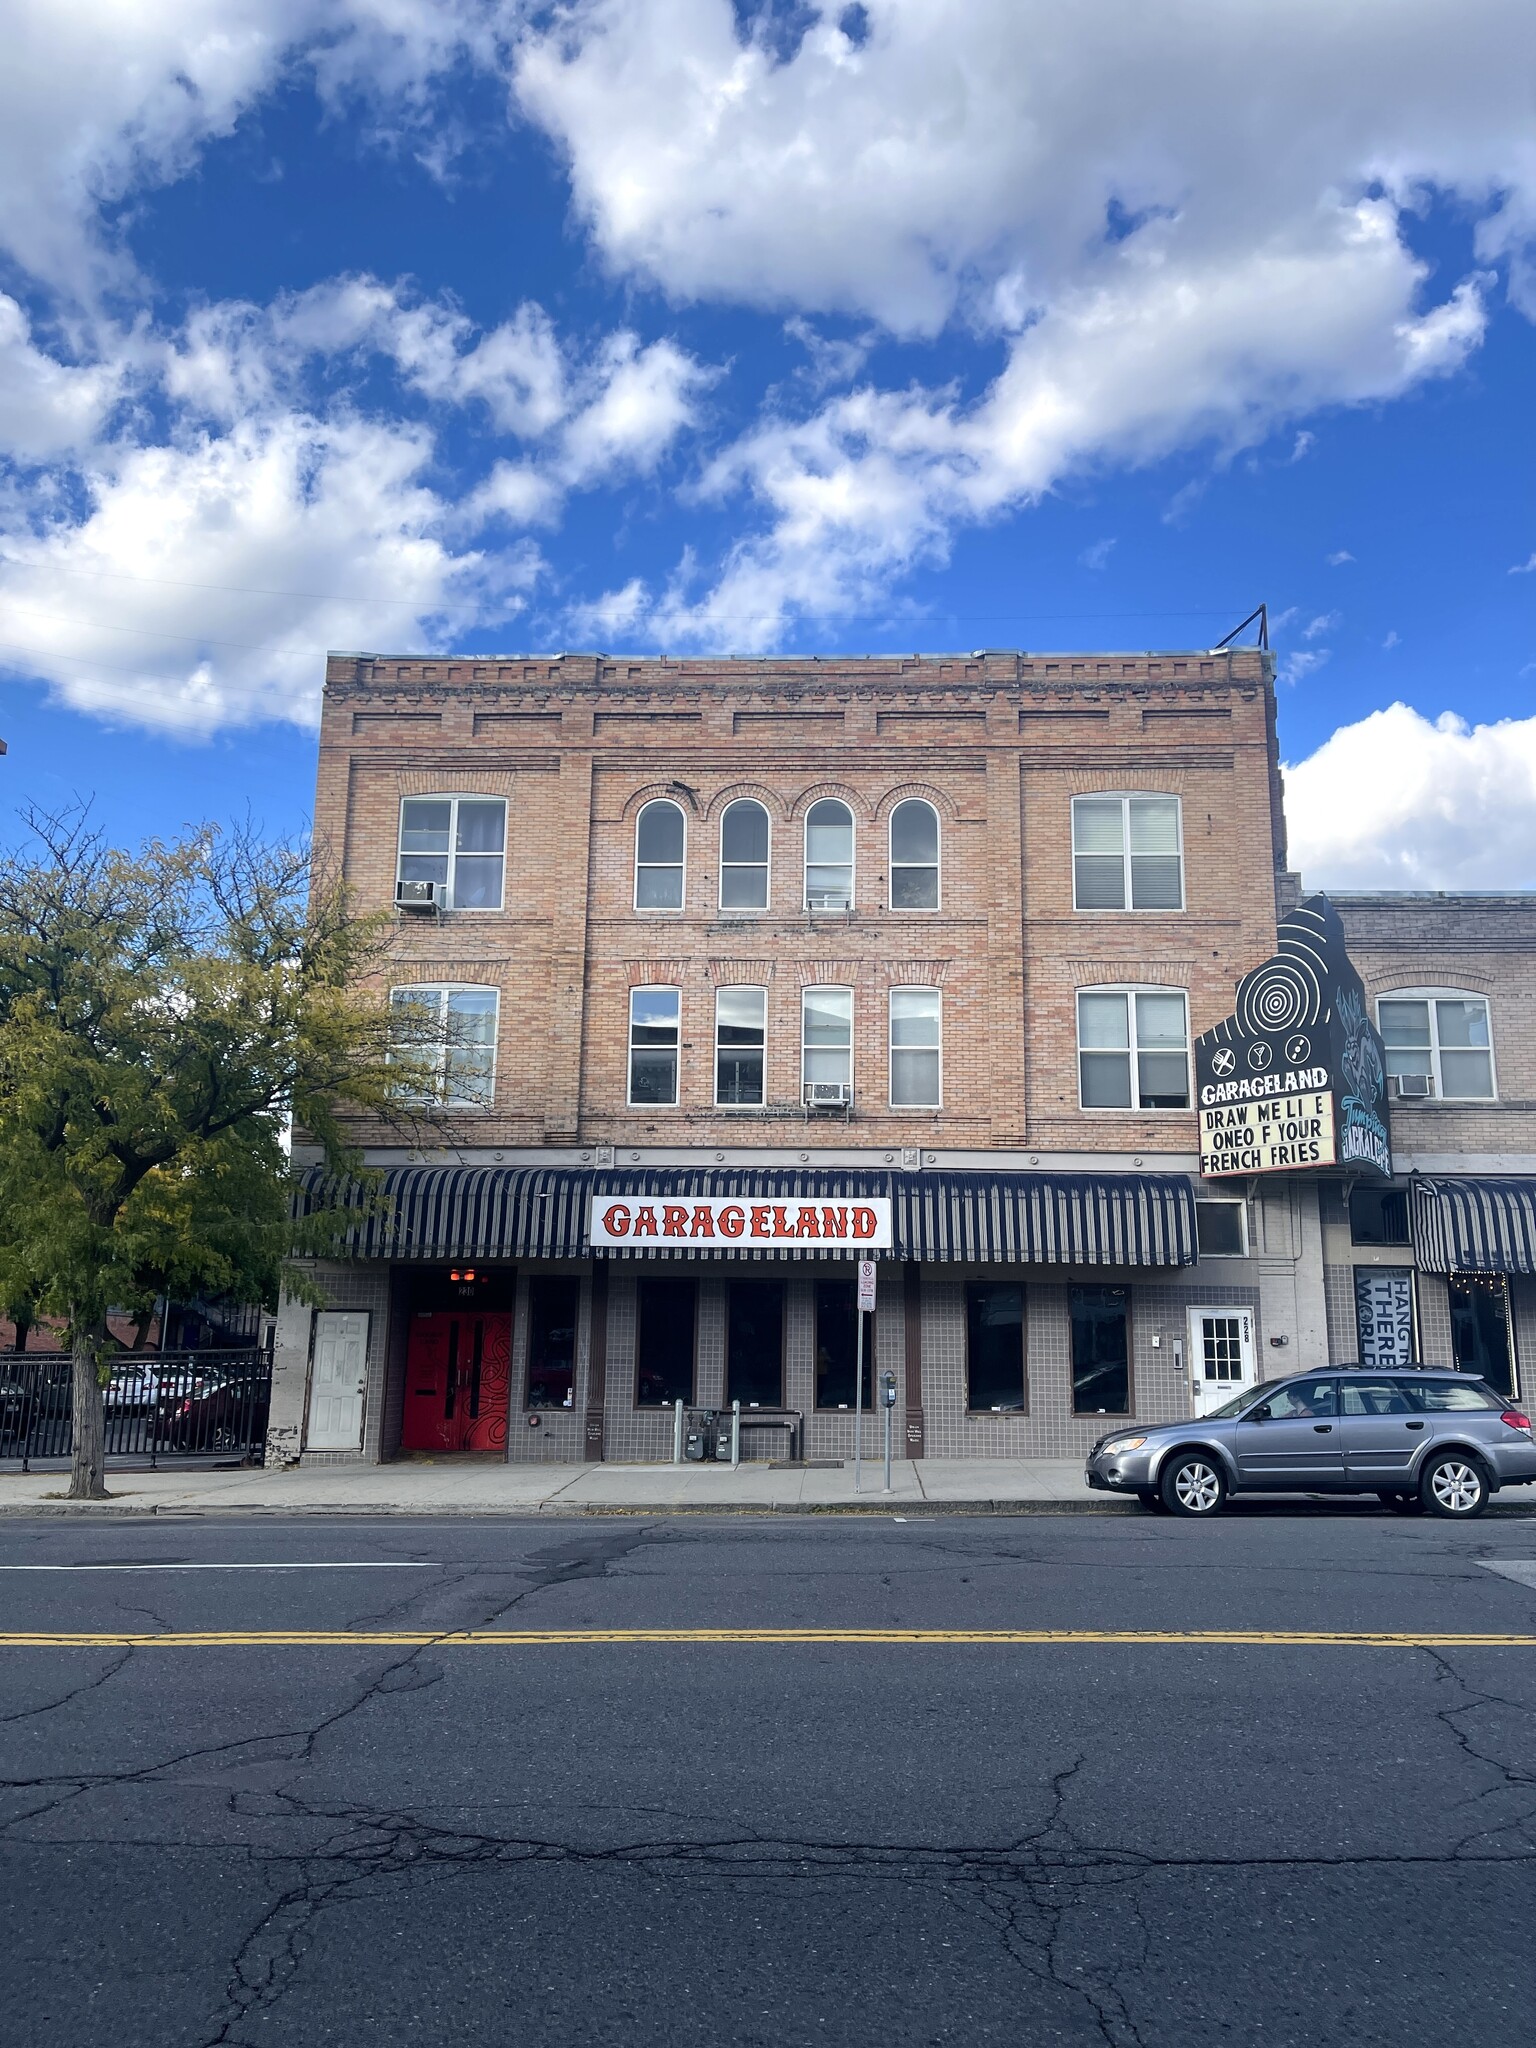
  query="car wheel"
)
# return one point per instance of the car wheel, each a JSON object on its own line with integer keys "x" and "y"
{"x": 1193, "y": 1485}
{"x": 1454, "y": 1485}
{"x": 1400, "y": 1503}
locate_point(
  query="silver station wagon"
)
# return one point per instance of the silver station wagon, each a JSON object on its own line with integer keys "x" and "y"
{"x": 1441, "y": 1441}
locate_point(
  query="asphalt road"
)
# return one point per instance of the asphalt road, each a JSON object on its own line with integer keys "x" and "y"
{"x": 685, "y": 1840}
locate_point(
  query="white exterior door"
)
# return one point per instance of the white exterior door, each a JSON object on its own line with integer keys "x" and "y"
{"x": 1222, "y": 1360}
{"x": 337, "y": 1380}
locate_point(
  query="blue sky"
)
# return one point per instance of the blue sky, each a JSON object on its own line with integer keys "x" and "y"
{"x": 663, "y": 324}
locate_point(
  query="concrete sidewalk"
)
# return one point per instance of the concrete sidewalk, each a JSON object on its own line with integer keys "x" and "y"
{"x": 422, "y": 1486}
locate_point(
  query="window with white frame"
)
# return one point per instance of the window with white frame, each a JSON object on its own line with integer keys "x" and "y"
{"x": 1441, "y": 1033}
{"x": 458, "y": 842}
{"x": 1127, "y": 853}
{"x": 915, "y": 1051}
{"x": 741, "y": 1041}
{"x": 826, "y": 1039}
{"x": 660, "y": 837}
{"x": 1221, "y": 1229}
{"x": 1133, "y": 1048}
{"x": 829, "y": 856}
{"x": 654, "y": 1030}
{"x": 452, "y": 1032}
{"x": 744, "y": 856}
{"x": 914, "y": 856}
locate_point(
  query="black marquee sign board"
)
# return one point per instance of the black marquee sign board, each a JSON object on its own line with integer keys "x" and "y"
{"x": 1296, "y": 1078}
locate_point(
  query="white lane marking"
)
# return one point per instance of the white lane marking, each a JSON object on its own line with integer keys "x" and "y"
{"x": 340, "y": 1564}
{"x": 1521, "y": 1569}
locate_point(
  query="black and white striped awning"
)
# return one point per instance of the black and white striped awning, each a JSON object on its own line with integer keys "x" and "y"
{"x": 516, "y": 1212}
{"x": 1473, "y": 1226}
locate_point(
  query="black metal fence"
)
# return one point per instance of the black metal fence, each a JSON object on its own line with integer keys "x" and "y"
{"x": 172, "y": 1404}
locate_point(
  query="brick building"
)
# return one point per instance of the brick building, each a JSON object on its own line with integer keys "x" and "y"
{"x": 730, "y": 953}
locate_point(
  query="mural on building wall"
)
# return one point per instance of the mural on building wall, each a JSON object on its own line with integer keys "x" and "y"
{"x": 1295, "y": 1078}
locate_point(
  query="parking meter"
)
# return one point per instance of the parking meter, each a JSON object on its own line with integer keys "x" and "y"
{"x": 888, "y": 1389}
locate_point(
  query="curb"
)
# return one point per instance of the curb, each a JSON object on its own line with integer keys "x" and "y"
{"x": 910, "y": 1511}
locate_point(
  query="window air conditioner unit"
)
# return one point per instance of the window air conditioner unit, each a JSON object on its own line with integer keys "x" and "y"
{"x": 1413, "y": 1087}
{"x": 419, "y": 895}
{"x": 828, "y": 1095}
{"x": 829, "y": 899}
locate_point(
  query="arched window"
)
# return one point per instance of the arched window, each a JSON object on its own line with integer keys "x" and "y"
{"x": 744, "y": 856}
{"x": 1438, "y": 1043}
{"x": 659, "y": 841}
{"x": 914, "y": 856}
{"x": 829, "y": 856}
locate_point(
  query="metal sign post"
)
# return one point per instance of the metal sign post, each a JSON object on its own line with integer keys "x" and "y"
{"x": 866, "y": 1302}
{"x": 888, "y": 1403}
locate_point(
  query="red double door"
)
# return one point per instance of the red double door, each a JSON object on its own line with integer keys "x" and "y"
{"x": 457, "y": 1379}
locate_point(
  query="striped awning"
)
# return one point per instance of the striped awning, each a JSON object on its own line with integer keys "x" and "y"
{"x": 1473, "y": 1226}
{"x": 513, "y": 1212}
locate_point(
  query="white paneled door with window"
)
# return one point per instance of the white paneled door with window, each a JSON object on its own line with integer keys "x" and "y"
{"x": 1222, "y": 1357}
{"x": 337, "y": 1380}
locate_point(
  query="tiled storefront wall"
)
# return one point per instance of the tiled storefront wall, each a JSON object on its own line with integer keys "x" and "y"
{"x": 1433, "y": 1309}
{"x": 1159, "y": 1382}
{"x": 1523, "y": 1308}
{"x": 558, "y": 1436}
{"x": 1343, "y": 1333}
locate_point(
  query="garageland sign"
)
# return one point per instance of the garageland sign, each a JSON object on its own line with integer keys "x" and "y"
{"x": 723, "y": 1224}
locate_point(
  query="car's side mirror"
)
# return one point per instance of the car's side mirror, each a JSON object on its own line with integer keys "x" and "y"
{"x": 1260, "y": 1414}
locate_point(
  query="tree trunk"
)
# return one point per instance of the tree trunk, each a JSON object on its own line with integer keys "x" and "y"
{"x": 88, "y": 1476}
{"x": 23, "y": 1327}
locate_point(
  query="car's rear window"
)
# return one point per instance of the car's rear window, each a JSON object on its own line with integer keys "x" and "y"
{"x": 1440, "y": 1397}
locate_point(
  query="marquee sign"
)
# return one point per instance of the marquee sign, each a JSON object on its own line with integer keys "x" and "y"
{"x": 1296, "y": 1077}
{"x": 716, "y": 1224}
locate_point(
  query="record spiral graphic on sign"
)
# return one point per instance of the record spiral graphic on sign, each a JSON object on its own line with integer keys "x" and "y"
{"x": 1286, "y": 991}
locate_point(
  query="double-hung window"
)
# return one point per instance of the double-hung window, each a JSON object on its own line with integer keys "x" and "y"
{"x": 654, "y": 1027}
{"x": 914, "y": 856}
{"x": 744, "y": 856}
{"x": 1442, "y": 1034}
{"x": 458, "y": 842}
{"x": 828, "y": 856}
{"x": 915, "y": 1026}
{"x": 741, "y": 1036}
{"x": 659, "y": 842}
{"x": 826, "y": 1039}
{"x": 452, "y": 1033}
{"x": 1127, "y": 853}
{"x": 1132, "y": 1048}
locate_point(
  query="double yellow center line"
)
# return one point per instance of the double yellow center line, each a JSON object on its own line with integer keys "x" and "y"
{"x": 547, "y": 1638}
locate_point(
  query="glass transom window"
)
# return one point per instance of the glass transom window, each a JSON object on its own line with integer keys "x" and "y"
{"x": 914, "y": 856}
{"x": 1133, "y": 1048}
{"x": 1126, "y": 853}
{"x": 915, "y": 1048}
{"x": 1443, "y": 1036}
{"x": 459, "y": 842}
{"x": 455, "y": 1030}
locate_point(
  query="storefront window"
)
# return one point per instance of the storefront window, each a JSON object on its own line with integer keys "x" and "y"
{"x": 666, "y": 1313}
{"x": 837, "y": 1334}
{"x": 1101, "y": 1351}
{"x": 1480, "y": 1328}
{"x": 754, "y": 1343}
{"x": 552, "y": 1302}
{"x": 994, "y": 1346}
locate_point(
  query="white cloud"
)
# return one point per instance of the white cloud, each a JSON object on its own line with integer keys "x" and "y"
{"x": 1303, "y": 445}
{"x": 1524, "y": 568}
{"x": 1294, "y": 668}
{"x": 208, "y": 577}
{"x": 1325, "y": 622}
{"x": 1339, "y": 558}
{"x": 1399, "y": 801}
{"x": 209, "y": 526}
{"x": 1097, "y": 556}
{"x": 1392, "y": 639}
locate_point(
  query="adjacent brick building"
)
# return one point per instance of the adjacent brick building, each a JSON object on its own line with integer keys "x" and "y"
{"x": 930, "y": 934}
